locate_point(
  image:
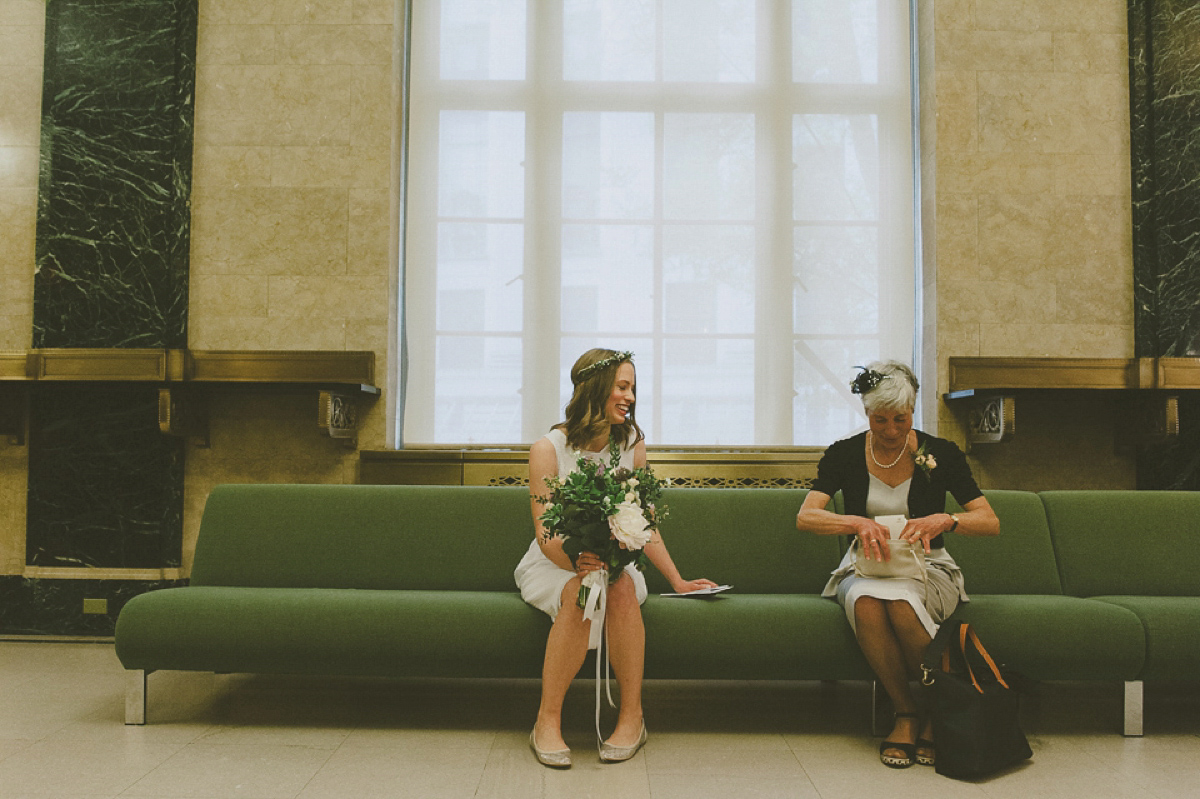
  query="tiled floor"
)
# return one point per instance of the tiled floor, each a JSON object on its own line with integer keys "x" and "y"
{"x": 215, "y": 737}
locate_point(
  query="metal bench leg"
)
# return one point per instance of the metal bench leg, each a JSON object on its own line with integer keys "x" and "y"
{"x": 135, "y": 696}
{"x": 1133, "y": 708}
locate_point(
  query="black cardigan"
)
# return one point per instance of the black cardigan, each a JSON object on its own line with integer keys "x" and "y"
{"x": 844, "y": 467}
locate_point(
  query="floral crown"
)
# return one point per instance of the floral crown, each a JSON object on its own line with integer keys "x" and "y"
{"x": 867, "y": 380}
{"x": 603, "y": 363}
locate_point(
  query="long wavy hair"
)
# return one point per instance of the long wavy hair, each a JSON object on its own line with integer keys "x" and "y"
{"x": 592, "y": 387}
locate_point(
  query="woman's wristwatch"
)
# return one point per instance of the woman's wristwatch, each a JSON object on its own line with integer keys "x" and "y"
{"x": 953, "y": 527}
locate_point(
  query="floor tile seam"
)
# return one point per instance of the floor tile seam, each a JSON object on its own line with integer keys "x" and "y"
{"x": 125, "y": 792}
{"x": 315, "y": 774}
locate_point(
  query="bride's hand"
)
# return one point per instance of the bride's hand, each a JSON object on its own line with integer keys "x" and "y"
{"x": 587, "y": 562}
{"x": 687, "y": 586}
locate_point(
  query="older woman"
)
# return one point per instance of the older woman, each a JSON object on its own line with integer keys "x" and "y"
{"x": 893, "y": 469}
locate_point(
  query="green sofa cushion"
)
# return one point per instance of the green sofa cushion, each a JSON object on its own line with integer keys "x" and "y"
{"x": 363, "y": 536}
{"x": 1126, "y": 542}
{"x": 746, "y": 537}
{"x": 1018, "y": 561}
{"x": 751, "y": 637}
{"x": 1172, "y": 625}
{"x": 338, "y": 631}
{"x": 1058, "y": 637}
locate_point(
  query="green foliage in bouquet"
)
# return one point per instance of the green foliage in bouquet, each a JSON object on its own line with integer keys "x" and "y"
{"x": 609, "y": 511}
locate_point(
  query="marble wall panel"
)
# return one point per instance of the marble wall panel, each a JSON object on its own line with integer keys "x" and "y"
{"x": 1051, "y": 112}
{"x": 270, "y": 231}
{"x": 233, "y": 167}
{"x": 950, "y": 14}
{"x": 22, "y": 36}
{"x": 1165, "y": 98}
{"x": 976, "y": 173}
{"x": 373, "y": 12}
{"x": 1061, "y": 15}
{"x": 1002, "y": 50}
{"x": 1166, "y": 168}
{"x": 116, "y": 174}
{"x": 18, "y": 223}
{"x": 369, "y": 247}
{"x": 18, "y": 167}
{"x": 293, "y": 12}
{"x": 1026, "y": 339}
{"x": 244, "y": 45}
{"x": 105, "y": 486}
{"x": 20, "y": 97}
{"x": 1090, "y": 52}
{"x": 272, "y": 105}
{"x": 344, "y": 297}
{"x": 957, "y": 111}
{"x": 333, "y": 44}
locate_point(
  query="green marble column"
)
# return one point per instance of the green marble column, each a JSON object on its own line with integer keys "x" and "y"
{"x": 105, "y": 486}
{"x": 1164, "y": 78}
{"x": 113, "y": 219}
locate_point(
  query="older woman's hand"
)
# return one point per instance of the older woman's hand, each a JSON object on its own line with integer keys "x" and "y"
{"x": 873, "y": 538}
{"x": 925, "y": 528}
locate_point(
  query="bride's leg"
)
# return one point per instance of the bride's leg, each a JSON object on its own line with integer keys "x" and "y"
{"x": 565, "y": 650}
{"x": 627, "y": 653}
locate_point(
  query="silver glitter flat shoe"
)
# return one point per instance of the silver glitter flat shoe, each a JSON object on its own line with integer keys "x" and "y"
{"x": 616, "y": 754}
{"x": 559, "y": 758}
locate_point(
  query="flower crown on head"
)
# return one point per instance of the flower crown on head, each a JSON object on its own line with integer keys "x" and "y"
{"x": 867, "y": 380}
{"x": 603, "y": 363}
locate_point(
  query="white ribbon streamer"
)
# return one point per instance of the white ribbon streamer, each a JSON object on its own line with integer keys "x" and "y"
{"x": 594, "y": 605}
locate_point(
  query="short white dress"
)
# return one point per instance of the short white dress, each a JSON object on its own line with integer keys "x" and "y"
{"x": 540, "y": 580}
{"x": 945, "y": 580}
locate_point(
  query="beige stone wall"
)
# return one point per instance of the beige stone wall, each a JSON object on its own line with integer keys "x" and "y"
{"x": 291, "y": 222}
{"x": 1030, "y": 199}
{"x": 22, "y": 36}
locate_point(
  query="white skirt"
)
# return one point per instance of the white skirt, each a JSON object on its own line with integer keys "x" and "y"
{"x": 932, "y": 602}
{"x": 542, "y": 582}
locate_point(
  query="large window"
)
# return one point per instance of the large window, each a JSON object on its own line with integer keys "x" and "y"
{"x": 722, "y": 186}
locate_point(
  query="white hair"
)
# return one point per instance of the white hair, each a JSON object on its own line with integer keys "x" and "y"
{"x": 896, "y": 392}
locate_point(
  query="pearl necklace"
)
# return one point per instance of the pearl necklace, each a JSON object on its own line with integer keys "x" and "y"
{"x": 871, "y": 448}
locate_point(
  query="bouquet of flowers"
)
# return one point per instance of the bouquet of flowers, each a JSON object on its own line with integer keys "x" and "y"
{"x": 606, "y": 510}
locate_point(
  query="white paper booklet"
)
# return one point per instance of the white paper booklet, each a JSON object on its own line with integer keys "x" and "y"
{"x": 894, "y": 524}
{"x": 704, "y": 591}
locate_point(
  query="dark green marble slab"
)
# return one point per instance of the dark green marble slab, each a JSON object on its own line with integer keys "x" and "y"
{"x": 1164, "y": 83}
{"x": 105, "y": 486}
{"x": 113, "y": 209}
{"x": 1165, "y": 143}
{"x": 55, "y": 607}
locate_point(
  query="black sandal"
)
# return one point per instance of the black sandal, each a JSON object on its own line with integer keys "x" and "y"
{"x": 910, "y": 750}
{"x": 926, "y": 760}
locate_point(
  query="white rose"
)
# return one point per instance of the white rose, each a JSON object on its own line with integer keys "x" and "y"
{"x": 629, "y": 526}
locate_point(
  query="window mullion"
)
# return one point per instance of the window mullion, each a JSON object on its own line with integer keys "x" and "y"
{"x": 774, "y": 360}
{"x": 543, "y": 220}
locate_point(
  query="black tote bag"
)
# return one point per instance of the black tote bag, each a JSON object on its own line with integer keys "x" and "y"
{"x": 973, "y": 709}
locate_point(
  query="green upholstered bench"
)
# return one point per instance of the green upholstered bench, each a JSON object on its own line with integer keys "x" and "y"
{"x": 415, "y": 581}
{"x": 1026, "y": 619}
{"x": 1136, "y": 550}
{"x": 410, "y": 581}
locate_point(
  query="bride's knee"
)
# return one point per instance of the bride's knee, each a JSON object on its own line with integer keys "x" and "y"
{"x": 622, "y": 595}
